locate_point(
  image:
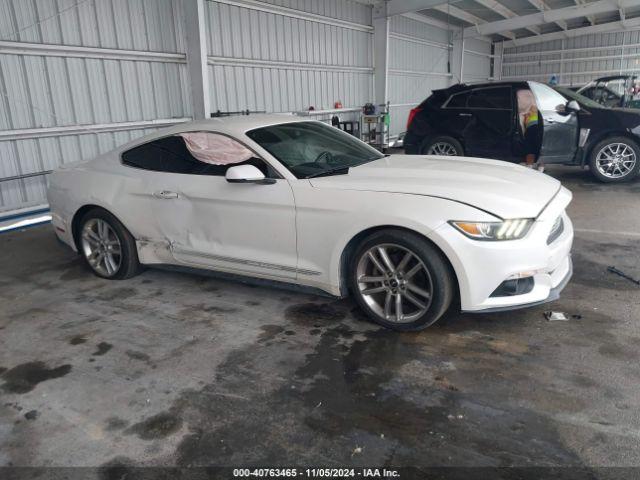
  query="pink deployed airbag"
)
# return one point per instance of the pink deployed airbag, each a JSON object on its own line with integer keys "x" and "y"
{"x": 215, "y": 149}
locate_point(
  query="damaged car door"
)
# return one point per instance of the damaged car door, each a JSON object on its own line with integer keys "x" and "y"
{"x": 224, "y": 225}
{"x": 559, "y": 125}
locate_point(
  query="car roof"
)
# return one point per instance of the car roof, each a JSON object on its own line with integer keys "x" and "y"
{"x": 239, "y": 123}
{"x": 614, "y": 77}
{"x": 462, "y": 87}
{"x": 489, "y": 84}
{"x": 234, "y": 126}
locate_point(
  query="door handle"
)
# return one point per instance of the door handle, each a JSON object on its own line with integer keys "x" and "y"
{"x": 464, "y": 114}
{"x": 165, "y": 194}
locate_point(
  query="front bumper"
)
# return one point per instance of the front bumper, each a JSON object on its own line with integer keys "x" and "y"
{"x": 481, "y": 267}
{"x": 554, "y": 294}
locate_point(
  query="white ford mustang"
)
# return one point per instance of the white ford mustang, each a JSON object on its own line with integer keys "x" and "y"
{"x": 280, "y": 198}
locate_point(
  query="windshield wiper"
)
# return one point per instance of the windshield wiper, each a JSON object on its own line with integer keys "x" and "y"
{"x": 330, "y": 171}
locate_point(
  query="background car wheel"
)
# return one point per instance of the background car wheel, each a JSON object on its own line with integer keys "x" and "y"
{"x": 107, "y": 247}
{"x": 400, "y": 280}
{"x": 615, "y": 159}
{"x": 447, "y": 146}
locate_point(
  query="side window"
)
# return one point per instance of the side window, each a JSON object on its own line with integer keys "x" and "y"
{"x": 162, "y": 155}
{"x": 193, "y": 153}
{"x": 459, "y": 100}
{"x": 588, "y": 93}
{"x": 547, "y": 98}
{"x": 498, "y": 98}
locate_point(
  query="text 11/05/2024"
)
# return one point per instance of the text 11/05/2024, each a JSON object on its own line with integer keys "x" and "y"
{"x": 315, "y": 473}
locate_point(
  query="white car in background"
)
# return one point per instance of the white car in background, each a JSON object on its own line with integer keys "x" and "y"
{"x": 285, "y": 199}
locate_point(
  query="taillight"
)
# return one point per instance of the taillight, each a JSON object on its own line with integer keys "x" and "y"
{"x": 412, "y": 114}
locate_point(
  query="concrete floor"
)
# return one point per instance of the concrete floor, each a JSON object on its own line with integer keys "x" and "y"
{"x": 178, "y": 369}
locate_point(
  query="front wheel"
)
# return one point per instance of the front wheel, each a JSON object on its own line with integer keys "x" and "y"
{"x": 107, "y": 247}
{"x": 615, "y": 159}
{"x": 443, "y": 145}
{"x": 400, "y": 280}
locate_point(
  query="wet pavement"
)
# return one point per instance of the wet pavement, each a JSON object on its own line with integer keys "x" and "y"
{"x": 173, "y": 368}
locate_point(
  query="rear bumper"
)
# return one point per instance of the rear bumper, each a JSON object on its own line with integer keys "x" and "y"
{"x": 411, "y": 148}
{"x": 63, "y": 229}
{"x": 411, "y": 143}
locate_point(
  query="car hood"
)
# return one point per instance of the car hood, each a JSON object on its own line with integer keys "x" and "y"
{"x": 629, "y": 117}
{"x": 503, "y": 189}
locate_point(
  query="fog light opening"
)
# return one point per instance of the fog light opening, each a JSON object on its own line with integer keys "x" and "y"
{"x": 515, "y": 286}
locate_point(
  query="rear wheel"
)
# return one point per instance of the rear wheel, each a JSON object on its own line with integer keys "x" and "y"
{"x": 615, "y": 159}
{"x": 443, "y": 145}
{"x": 400, "y": 280}
{"x": 107, "y": 247}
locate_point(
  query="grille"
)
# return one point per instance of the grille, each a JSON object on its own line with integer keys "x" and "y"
{"x": 556, "y": 230}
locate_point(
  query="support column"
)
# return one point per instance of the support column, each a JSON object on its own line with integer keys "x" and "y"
{"x": 381, "y": 53}
{"x": 194, "y": 16}
{"x": 561, "y": 74}
{"x": 498, "y": 52}
{"x": 457, "y": 56}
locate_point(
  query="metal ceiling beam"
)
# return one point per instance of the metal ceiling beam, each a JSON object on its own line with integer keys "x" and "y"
{"x": 550, "y": 16}
{"x": 541, "y": 6}
{"x": 428, "y": 20}
{"x": 469, "y": 18}
{"x": 576, "y": 32}
{"x": 390, "y": 8}
{"x": 500, "y": 9}
{"x": 591, "y": 18}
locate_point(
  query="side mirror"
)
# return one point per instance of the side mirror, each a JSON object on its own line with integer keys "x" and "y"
{"x": 572, "y": 107}
{"x": 247, "y": 174}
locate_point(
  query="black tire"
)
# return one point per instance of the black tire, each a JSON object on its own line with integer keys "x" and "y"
{"x": 438, "y": 277}
{"x": 128, "y": 265}
{"x": 600, "y": 173}
{"x": 442, "y": 139}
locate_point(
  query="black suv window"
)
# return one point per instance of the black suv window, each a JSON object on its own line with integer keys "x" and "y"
{"x": 170, "y": 154}
{"x": 491, "y": 98}
{"x": 459, "y": 100}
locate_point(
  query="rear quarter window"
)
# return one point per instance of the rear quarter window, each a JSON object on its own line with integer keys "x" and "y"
{"x": 171, "y": 155}
{"x": 498, "y": 98}
{"x": 458, "y": 100}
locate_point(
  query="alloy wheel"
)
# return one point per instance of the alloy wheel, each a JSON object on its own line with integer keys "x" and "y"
{"x": 616, "y": 160}
{"x": 394, "y": 283}
{"x": 101, "y": 247}
{"x": 442, "y": 148}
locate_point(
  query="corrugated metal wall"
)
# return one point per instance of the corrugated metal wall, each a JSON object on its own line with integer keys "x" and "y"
{"x": 47, "y": 88}
{"x": 477, "y": 61}
{"x": 575, "y": 61}
{"x": 346, "y": 10}
{"x": 282, "y": 61}
{"x": 418, "y": 64}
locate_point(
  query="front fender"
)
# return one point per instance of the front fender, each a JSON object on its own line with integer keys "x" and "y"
{"x": 329, "y": 219}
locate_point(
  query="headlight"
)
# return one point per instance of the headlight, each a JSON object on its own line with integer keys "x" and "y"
{"x": 506, "y": 230}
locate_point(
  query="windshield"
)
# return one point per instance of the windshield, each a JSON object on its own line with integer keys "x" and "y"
{"x": 581, "y": 99}
{"x": 312, "y": 149}
{"x": 589, "y": 85}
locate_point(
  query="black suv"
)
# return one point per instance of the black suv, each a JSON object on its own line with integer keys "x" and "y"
{"x": 482, "y": 121}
